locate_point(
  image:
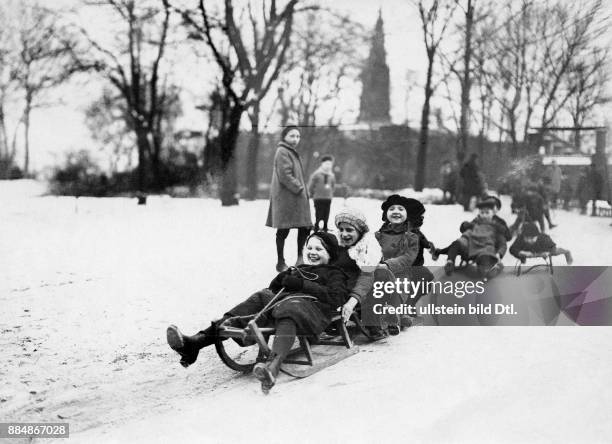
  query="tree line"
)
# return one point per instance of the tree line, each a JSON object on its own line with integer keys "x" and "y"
{"x": 512, "y": 69}
{"x": 500, "y": 68}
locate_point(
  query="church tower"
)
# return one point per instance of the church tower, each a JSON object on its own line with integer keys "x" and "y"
{"x": 374, "y": 107}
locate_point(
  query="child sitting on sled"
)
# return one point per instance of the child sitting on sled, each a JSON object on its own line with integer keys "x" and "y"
{"x": 312, "y": 293}
{"x": 400, "y": 245}
{"x": 499, "y": 220}
{"x": 483, "y": 240}
{"x": 532, "y": 243}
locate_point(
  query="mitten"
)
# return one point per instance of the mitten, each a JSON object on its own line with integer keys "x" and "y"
{"x": 292, "y": 283}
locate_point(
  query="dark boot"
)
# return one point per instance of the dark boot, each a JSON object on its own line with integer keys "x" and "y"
{"x": 189, "y": 346}
{"x": 268, "y": 372}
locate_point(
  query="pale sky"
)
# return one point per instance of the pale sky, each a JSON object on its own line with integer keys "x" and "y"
{"x": 61, "y": 129}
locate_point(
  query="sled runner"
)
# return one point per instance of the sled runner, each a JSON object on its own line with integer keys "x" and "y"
{"x": 484, "y": 266}
{"x": 241, "y": 348}
{"x": 547, "y": 258}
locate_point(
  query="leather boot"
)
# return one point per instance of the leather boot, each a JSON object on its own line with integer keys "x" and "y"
{"x": 189, "y": 346}
{"x": 267, "y": 373}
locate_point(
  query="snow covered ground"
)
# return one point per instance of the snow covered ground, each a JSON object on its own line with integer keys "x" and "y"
{"x": 88, "y": 287}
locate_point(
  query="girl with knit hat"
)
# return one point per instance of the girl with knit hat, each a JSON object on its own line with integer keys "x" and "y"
{"x": 316, "y": 289}
{"x": 360, "y": 252}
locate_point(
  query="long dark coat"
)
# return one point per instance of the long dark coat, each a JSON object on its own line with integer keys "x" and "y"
{"x": 289, "y": 205}
{"x": 329, "y": 291}
{"x": 472, "y": 181}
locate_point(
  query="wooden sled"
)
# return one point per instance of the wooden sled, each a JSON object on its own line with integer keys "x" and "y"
{"x": 241, "y": 348}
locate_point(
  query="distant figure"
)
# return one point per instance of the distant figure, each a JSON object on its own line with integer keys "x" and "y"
{"x": 583, "y": 190}
{"x": 448, "y": 179}
{"x": 289, "y": 205}
{"x": 472, "y": 181}
{"x": 590, "y": 187}
{"x": 556, "y": 177}
{"x": 597, "y": 184}
{"x": 321, "y": 188}
{"x": 566, "y": 192}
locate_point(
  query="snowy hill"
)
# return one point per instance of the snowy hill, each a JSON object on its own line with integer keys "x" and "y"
{"x": 90, "y": 285}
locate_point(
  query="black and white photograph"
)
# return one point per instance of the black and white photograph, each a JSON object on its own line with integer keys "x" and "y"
{"x": 305, "y": 221}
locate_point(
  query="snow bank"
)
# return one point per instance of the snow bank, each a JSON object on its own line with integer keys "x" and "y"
{"x": 89, "y": 286}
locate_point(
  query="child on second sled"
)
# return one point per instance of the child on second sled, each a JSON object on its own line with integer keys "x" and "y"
{"x": 402, "y": 245}
{"x": 483, "y": 240}
{"x": 532, "y": 243}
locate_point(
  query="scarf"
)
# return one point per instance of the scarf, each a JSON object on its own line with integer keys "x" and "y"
{"x": 366, "y": 252}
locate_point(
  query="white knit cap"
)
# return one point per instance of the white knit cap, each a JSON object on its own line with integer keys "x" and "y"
{"x": 354, "y": 217}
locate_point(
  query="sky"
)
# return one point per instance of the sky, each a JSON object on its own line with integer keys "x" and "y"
{"x": 61, "y": 129}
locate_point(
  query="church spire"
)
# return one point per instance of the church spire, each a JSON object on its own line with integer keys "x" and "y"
{"x": 374, "y": 106}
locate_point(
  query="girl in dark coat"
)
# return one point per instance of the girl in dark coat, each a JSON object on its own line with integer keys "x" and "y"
{"x": 401, "y": 246}
{"x": 312, "y": 294}
{"x": 289, "y": 205}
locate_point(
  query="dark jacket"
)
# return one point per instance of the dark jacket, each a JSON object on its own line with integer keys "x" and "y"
{"x": 329, "y": 289}
{"x": 542, "y": 244}
{"x": 321, "y": 184}
{"x": 486, "y": 237}
{"x": 504, "y": 225}
{"x": 289, "y": 205}
{"x": 472, "y": 180}
{"x": 423, "y": 244}
{"x": 399, "y": 246}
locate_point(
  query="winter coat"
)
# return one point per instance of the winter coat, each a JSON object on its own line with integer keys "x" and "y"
{"x": 533, "y": 202}
{"x": 485, "y": 238}
{"x": 504, "y": 225}
{"x": 423, "y": 243}
{"x": 555, "y": 179}
{"x": 399, "y": 246}
{"x": 449, "y": 178}
{"x": 472, "y": 180}
{"x": 289, "y": 205}
{"x": 363, "y": 257}
{"x": 542, "y": 244}
{"x": 321, "y": 184}
{"x": 310, "y": 315}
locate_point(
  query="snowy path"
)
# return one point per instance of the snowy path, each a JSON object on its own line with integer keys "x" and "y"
{"x": 89, "y": 286}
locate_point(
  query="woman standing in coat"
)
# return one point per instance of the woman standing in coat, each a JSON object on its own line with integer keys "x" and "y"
{"x": 289, "y": 205}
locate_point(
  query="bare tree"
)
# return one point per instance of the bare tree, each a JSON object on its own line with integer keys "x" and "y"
{"x": 135, "y": 67}
{"x": 588, "y": 78}
{"x": 526, "y": 58}
{"x": 250, "y": 59}
{"x": 436, "y": 16}
{"x": 35, "y": 50}
{"x": 323, "y": 60}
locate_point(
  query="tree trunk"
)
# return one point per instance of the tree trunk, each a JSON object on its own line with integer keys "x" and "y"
{"x": 252, "y": 154}
{"x": 421, "y": 164}
{"x": 228, "y": 138}
{"x": 143, "y": 144}
{"x": 26, "y": 126}
{"x": 466, "y": 82}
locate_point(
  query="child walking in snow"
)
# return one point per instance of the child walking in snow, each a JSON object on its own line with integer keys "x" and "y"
{"x": 532, "y": 243}
{"x": 321, "y": 187}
